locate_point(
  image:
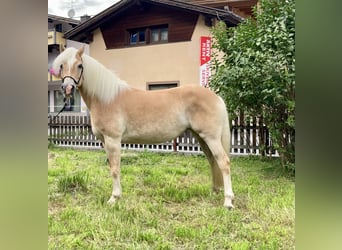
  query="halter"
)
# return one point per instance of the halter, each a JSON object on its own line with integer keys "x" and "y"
{"x": 76, "y": 82}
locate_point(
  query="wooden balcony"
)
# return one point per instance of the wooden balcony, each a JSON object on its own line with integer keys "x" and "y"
{"x": 56, "y": 38}
{"x": 52, "y": 78}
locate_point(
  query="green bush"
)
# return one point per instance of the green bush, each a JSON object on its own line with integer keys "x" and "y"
{"x": 256, "y": 74}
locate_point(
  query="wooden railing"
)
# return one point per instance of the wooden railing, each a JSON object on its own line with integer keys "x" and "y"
{"x": 55, "y": 37}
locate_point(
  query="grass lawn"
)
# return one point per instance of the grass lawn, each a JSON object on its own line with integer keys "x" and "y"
{"x": 167, "y": 203}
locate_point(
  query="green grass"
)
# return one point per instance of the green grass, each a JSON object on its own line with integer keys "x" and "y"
{"x": 167, "y": 203}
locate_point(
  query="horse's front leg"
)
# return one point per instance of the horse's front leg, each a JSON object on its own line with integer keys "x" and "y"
{"x": 113, "y": 150}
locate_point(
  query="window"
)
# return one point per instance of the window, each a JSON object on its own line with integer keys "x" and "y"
{"x": 148, "y": 35}
{"x": 48, "y": 101}
{"x": 162, "y": 85}
{"x": 159, "y": 35}
{"x": 73, "y": 105}
{"x": 164, "y": 34}
{"x": 137, "y": 37}
{"x": 58, "y": 100}
{"x": 59, "y": 27}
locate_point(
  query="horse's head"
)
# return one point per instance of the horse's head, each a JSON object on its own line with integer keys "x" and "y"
{"x": 68, "y": 66}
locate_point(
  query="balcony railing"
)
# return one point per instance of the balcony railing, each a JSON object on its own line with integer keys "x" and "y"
{"x": 55, "y": 37}
{"x": 52, "y": 78}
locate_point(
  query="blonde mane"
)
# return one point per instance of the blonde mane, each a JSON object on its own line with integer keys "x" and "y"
{"x": 98, "y": 80}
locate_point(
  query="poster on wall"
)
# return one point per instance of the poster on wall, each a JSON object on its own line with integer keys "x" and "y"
{"x": 205, "y": 52}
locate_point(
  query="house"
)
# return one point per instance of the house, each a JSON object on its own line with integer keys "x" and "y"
{"x": 152, "y": 43}
{"x": 57, "y": 26}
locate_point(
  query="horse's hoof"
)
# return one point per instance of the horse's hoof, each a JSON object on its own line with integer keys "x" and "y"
{"x": 111, "y": 201}
{"x": 230, "y": 207}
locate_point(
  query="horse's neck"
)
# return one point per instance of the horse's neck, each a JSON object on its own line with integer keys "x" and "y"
{"x": 86, "y": 98}
{"x": 92, "y": 101}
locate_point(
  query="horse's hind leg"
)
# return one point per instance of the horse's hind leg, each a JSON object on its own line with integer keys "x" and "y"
{"x": 113, "y": 150}
{"x": 215, "y": 170}
{"x": 223, "y": 162}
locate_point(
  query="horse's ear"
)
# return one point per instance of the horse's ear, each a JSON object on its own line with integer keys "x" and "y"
{"x": 80, "y": 52}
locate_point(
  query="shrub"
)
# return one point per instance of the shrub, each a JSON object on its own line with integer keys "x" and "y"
{"x": 257, "y": 71}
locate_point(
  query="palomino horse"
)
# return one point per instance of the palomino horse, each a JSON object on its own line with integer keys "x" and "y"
{"x": 122, "y": 114}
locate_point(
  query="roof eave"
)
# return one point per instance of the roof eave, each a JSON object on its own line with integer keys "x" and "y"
{"x": 94, "y": 22}
{"x": 63, "y": 19}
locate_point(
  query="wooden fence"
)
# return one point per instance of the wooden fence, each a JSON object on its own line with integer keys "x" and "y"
{"x": 248, "y": 136}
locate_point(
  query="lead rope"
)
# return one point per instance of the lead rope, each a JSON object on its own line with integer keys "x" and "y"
{"x": 54, "y": 118}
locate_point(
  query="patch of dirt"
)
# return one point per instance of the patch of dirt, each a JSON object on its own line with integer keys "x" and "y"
{"x": 51, "y": 156}
{"x": 54, "y": 208}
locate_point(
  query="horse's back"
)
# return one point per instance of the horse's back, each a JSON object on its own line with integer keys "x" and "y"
{"x": 203, "y": 101}
{"x": 199, "y": 107}
{"x": 186, "y": 95}
{"x": 188, "y": 99}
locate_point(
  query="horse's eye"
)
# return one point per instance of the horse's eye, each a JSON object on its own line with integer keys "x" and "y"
{"x": 61, "y": 66}
{"x": 80, "y": 66}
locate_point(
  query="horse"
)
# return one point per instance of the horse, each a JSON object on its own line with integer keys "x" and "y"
{"x": 123, "y": 114}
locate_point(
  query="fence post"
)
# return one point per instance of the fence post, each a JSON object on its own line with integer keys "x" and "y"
{"x": 242, "y": 131}
{"x": 175, "y": 145}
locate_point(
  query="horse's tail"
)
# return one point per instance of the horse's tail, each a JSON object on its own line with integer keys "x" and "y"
{"x": 225, "y": 141}
{"x": 225, "y": 137}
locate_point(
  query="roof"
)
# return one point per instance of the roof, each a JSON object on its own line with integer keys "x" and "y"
{"x": 63, "y": 19}
{"x": 242, "y": 5}
{"x": 93, "y": 23}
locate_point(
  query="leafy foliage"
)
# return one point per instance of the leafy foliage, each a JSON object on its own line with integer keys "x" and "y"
{"x": 255, "y": 70}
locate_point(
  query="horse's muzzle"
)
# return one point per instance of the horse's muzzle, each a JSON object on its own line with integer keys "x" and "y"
{"x": 67, "y": 88}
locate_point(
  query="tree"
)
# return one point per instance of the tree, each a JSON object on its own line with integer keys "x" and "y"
{"x": 255, "y": 71}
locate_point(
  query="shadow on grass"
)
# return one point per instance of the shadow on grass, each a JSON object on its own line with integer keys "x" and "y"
{"x": 269, "y": 167}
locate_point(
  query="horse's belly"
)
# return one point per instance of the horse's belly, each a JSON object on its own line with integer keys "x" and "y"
{"x": 152, "y": 134}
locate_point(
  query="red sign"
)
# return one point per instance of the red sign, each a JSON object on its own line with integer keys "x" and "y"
{"x": 205, "y": 52}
